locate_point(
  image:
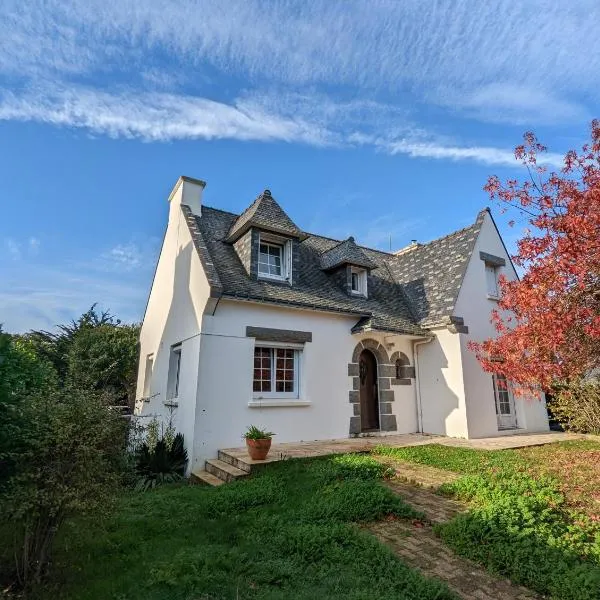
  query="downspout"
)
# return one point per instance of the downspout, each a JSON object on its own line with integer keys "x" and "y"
{"x": 418, "y": 381}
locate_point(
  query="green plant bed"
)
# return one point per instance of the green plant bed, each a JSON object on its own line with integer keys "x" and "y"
{"x": 287, "y": 532}
{"x": 520, "y": 525}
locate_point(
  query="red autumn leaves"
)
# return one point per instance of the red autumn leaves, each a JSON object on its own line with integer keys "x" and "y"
{"x": 548, "y": 323}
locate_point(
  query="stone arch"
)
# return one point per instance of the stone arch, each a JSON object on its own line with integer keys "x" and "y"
{"x": 375, "y": 347}
{"x": 403, "y": 371}
{"x": 385, "y": 372}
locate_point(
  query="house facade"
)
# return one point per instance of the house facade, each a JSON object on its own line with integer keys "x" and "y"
{"x": 251, "y": 320}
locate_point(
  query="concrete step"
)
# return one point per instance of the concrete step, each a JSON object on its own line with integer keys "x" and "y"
{"x": 224, "y": 470}
{"x": 202, "y": 476}
{"x": 235, "y": 461}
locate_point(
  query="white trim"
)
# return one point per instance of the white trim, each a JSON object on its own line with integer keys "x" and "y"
{"x": 362, "y": 282}
{"x": 275, "y": 402}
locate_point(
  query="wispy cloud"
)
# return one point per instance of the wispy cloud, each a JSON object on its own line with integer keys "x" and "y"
{"x": 317, "y": 120}
{"x": 18, "y": 249}
{"x": 118, "y": 277}
{"x": 465, "y": 45}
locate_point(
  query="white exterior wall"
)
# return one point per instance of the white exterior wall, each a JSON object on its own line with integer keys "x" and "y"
{"x": 173, "y": 315}
{"x": 226, "y": 370}
{"x": 475, "y": 307}
{"x": 442, "y": 387}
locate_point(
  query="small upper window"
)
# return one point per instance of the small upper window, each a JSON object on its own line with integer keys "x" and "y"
{"x": 270, "y": 260}
{"x": 491, "y": 276}
{"x": 274, "y": 258}
{"x": 174, "y": 372}
{"x": 358, "y": 282}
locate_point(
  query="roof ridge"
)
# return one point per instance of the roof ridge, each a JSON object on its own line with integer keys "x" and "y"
{"x": 362, "y": 247}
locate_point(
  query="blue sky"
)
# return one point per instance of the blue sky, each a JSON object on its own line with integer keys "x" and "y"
{"x": 371, "y": 118}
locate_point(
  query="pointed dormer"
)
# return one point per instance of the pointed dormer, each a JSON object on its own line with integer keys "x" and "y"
{"x": 350, "y": 265}
{"x": 265, "y": 214}
{"x": 266, "y": 241}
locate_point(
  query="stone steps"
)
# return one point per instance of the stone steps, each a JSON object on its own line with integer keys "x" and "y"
{"x": 204, "y": 477}
{"x": 234, "y": 461}
{"x": 223, "y": 470}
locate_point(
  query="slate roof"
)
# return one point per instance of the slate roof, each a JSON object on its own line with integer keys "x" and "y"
{"x": 346, "y": 252}
{"x": 431, "y": 274}
{"x": 407, "y": 292}
{"x": 264, "y": 213}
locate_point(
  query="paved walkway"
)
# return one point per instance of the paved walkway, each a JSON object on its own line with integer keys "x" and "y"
{"x": 364, "y": 444}
{"x": 419, "y": 547}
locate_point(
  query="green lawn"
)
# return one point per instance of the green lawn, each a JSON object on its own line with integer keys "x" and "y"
{"x": 534, "y": 513}
{"x": 287, "y": 532}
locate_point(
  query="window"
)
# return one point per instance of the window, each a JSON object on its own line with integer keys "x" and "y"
{"x": 270, "y": 260}
{"x": 148, "y": 375}
{"x": 274, "y": 258}
{"x": 505, "y": 405}
{"x": 358, "y": 279}
{"x": 276, "y": 372}
{"x": 174, "y": 372}
{"x": 502, "y": 394}
{"x": 491, "y": 276}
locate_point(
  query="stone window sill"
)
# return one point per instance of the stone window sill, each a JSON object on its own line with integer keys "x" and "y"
{"x": 494, "y": 298}
{"x": 277, "y": 402}
{"x": 173, "y": 403}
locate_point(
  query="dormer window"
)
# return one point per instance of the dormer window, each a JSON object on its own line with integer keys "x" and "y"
{"x": 274, "y": 258}
{"x": 358, "y": 284}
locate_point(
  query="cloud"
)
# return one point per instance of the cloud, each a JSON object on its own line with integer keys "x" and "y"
{"x": 403, "y": 47}
{"x": 515, "y": 104}
{"x": 13, "y": 248}
{"x": 34, "y": 245}
{"x": 152, "y": 116}
{"x": 316, "y": 120}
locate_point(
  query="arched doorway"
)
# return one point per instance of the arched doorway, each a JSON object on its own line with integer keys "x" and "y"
{"x": 369, "y": 396}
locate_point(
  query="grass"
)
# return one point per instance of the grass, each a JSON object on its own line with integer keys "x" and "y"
{"x": 534, "y": 512}
{"x": 288, "y": 532}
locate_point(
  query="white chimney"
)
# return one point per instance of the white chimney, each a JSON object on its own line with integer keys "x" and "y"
{"x": 188, "y": 191}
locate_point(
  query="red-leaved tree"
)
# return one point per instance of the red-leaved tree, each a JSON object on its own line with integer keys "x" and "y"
{"x": 548, "y": 322}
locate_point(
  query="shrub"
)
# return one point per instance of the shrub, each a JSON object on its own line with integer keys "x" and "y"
{"x": 577, "y": 406}
{"x": 163, "y": 463}
{"x": 65, "y": 462}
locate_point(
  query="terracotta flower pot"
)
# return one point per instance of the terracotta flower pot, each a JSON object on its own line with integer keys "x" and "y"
{"x": 258, "y": 449}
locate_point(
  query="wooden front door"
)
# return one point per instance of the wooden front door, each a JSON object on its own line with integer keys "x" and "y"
{"x": 369, "y": 409}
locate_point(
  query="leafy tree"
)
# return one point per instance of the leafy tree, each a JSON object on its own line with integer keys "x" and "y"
{"x": 548, "y": 322}
{"x": 96, "y": 351}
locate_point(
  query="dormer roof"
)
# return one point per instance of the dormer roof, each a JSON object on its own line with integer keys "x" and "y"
{"x": 346, "y": 253}
{"x": 266, "y": 214}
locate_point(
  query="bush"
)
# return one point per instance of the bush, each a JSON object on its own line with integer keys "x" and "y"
{"x": 577, "y": 407}
{"x": 162, "y": 462}
{"x": 64, "y": 462}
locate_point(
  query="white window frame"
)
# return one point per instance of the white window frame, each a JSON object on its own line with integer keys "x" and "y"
{"x": 174, "y": 375}
{"x": 507, "y": 420}
{"x": 491, "y": 281}
{"x": 148, "y": 369}
{"x": 362, "y": 281}
{"x": 285, "y": 247}
{"x": 295, "y": 394}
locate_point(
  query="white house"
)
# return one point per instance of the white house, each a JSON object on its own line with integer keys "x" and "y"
{"x": 252, "y": 320}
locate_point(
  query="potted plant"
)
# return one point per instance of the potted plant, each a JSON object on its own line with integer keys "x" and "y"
{"x": 258, "y": 442}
